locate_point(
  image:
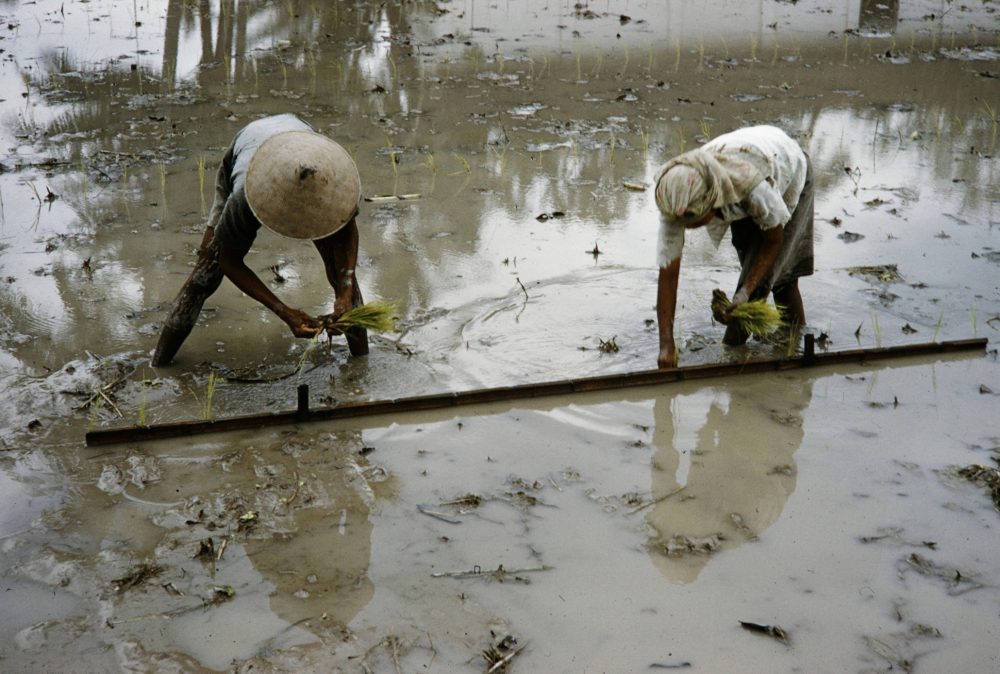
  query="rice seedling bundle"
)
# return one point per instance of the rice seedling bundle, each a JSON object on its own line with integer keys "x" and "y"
{"x": 756, "y": 317}
{"x": 378, "y": 316}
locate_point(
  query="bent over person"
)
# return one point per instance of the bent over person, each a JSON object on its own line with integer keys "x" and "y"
{"x": 757, "y": 183}
{"x": 280, "y": 173}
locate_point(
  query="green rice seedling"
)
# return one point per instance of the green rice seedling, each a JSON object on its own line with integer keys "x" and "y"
{"x": 706, "y": 129}
{"x": 34, "y": 190}
{"x": 305, "y": 354}
{"x": 465, "y": 164}
{"x": 206, "y": 408}
{"x": 677, "y": 54}
{"x": 994, "y": 122}
{"x": 429, "y": 163}
{"x": 756, "y": 317}
{"x": 394, "y": 163}
{"x": 378, "y": 316}
{"x": 975, "y": 322}
{"x": 501, "y": 155}
{"x": 649, "y": 61}
{"x": 878, "y": 330}
{"x": 937, "y": 326}
{"x": 644, "y": 134}
{"x": 94, "y": 410}
{"x": 612, "y": 142}
{"x": 753, "y": 47}
{"x": 595, "y": 72}
{"x": 163, "y": 183}
{"x": 774, "y": 55}
{"x": 143, "y": 419}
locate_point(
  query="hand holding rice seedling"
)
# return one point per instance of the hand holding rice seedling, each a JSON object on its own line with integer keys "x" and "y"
{"x": 756, "y": 316}
{"x": 378, "y": 316}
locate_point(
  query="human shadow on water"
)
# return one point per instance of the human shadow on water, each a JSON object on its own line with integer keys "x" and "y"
{"x": 721, "y": 485}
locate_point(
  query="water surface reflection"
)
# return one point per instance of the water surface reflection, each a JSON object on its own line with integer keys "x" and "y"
{"x": 723, "y": 470}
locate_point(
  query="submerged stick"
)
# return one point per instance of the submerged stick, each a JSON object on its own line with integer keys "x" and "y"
{"x": 643, "y": 378}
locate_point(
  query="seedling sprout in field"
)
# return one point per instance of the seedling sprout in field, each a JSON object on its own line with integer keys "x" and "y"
{"x": 210, "y": 384}
{"x": 206, "y": 402}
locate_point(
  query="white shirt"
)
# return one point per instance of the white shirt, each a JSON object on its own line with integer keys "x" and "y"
{"x": 769, "y": 204}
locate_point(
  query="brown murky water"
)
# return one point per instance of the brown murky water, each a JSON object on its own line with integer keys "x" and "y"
{"x": 601, "y": 533}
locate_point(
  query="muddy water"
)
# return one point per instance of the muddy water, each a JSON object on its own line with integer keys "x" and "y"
{"x": 521, "y": 137}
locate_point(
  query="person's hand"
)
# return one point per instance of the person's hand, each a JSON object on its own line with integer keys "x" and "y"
{"x": 301, "y": 323}
{"x": 668, "y": 356}
{"x": 741, "y": 297}
{"x": 341, "y": 306}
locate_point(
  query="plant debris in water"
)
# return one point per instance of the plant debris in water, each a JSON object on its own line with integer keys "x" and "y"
{"x": 958, "y": 582}
{"x": 608, "y": 346}
{"x": 886, "y": 273}
{"x": 501, "y": 652}
{"x": 140, "y": 575}
{"x": 984, "y": 476}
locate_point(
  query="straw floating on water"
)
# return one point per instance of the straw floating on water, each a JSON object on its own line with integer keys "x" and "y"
{"x": 378, "y": 316}
{"x": 756, "y": 317}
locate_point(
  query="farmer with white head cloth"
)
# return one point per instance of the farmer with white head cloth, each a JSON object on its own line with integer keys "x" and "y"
{"x": 756, "y": 182}
{"x": 280, "y": 173}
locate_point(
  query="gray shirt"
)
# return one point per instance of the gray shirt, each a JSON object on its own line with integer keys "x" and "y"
{"x": 235, "y": 224}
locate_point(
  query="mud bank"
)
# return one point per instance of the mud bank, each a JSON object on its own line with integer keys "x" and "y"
{"x": 506, "y": 153}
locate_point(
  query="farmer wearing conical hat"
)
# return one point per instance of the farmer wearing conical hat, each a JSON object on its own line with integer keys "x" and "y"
{"x": 280, "y": 173}
{"x": 757, "y": 183}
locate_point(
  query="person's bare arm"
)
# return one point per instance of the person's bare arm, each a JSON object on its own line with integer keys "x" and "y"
{"x": 236, "y": 270}
{"x": 666, "y": 305}
{"x": 340, "y": 258}
{"x": 766, "y": 256}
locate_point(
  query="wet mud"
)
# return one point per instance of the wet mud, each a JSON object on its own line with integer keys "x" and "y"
{"x": 834, "y": 519}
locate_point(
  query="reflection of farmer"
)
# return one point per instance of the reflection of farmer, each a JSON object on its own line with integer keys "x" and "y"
{"x": 736, "y": 469}
{"x": 280, "y": 173}
{"x": 757, "y": 182}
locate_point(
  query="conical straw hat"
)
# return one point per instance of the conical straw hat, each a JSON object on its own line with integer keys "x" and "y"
{"x": 302, "y": 185}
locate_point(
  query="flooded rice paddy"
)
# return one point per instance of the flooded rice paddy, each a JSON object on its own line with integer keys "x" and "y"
{"x": 836, "y": 519}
